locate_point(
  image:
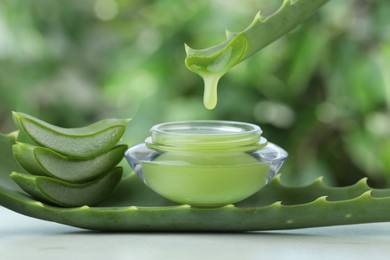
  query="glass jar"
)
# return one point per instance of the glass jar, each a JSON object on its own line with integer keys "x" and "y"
{"x": 206, "y": 163}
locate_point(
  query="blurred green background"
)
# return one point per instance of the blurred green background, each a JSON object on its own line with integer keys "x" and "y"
{"x": 322, "y": 92}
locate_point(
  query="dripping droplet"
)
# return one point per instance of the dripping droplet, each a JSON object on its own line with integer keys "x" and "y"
{"x": 210, "y": 90}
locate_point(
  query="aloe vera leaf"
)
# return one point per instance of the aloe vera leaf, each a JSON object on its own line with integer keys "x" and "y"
{"x": 43, "y": 161}
{"x": 7, "y": 161}
{"x": 134, "y": 207}
{"x": 67, "y": 194}
{"x": 213, "y": 62}
{"x": 24, "y": 155}
{"x": 81, "y": 143}
{"x": 367, "y": 207}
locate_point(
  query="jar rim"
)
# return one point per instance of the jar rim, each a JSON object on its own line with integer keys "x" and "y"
{"x": 206, "y": 135}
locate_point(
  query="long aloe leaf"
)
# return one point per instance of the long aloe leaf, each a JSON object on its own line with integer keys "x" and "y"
{"x": 213, "y": 62}
{"x": 134, "y": 207}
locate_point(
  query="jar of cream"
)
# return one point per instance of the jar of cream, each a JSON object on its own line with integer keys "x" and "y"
{"x": 206, "y": 163}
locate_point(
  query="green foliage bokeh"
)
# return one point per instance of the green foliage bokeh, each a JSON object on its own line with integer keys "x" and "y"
{"x": 322, "y": 92}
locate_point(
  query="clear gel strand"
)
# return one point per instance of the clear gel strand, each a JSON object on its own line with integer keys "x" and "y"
{"x": 210, "y": 90}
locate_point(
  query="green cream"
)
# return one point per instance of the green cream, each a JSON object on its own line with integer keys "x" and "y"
{"x": 205, "y": 180}
{"x": 203, "y": 163}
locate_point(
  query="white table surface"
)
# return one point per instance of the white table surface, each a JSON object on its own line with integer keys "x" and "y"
{"x": 23, "y": 237}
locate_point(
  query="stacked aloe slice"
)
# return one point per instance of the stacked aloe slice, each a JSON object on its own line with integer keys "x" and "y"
{"x": 69, "y": 166}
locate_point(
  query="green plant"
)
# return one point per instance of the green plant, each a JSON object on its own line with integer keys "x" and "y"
{"x": 85, "y": 142}
{"x": 134, "y": 207}
{"x": 43, "y": 161}
{"x": 57, "y": 192}
{"x": 212, "y": 63}
{"x": 77, "y": 164}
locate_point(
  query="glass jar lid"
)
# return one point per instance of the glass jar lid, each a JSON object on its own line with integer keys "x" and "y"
{"x": 206, "y": 136}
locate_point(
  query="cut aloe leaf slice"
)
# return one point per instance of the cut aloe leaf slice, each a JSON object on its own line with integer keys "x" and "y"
{"x": 66, "y": 194}
{"x": 7, "y": 161}
{"x": 84, "y": 142}
{"x": 43, "y": 161}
